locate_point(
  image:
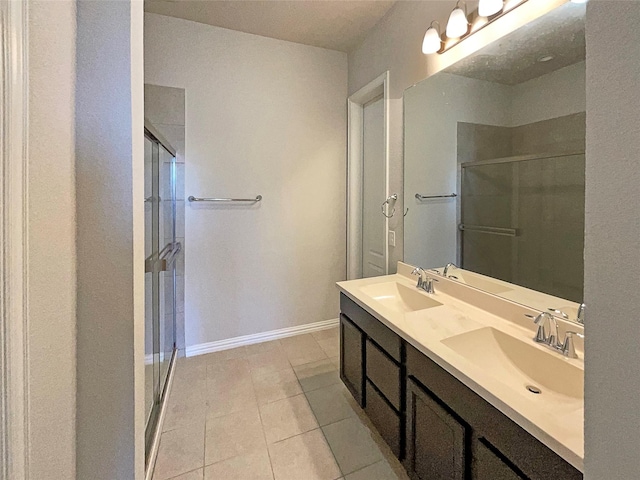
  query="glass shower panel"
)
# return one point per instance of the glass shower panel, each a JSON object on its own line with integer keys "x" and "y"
{"x": 151, "y": 241}
{"x": 149, "y": 361}
{"x": 524, "y": 222}
{"x": 487, "y": 205}
{"x": 550, "y": 215}
{"x": 167, "y": 274}
{"x": 161, "y": 251}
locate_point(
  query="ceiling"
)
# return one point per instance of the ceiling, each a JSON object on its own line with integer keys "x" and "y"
{"x": 515, "y": 58}
{"x": 336, "y": 25}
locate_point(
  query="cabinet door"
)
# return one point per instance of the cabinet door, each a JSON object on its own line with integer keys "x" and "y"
{"x": 352, "y": 358}
{"x": 488, "y": 465}
{"x": 435, "y": 439}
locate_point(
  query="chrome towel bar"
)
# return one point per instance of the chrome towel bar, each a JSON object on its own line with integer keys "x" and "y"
{"x": 507, "y": 232}
{"x": 225, "y": 200}
{"x": 425, "y": 197}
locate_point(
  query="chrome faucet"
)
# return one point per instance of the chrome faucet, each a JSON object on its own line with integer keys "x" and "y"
{"x": 568, "y": 348}
{"x": 424, "y": 283}
{"x": 447, "y": 267}
{"x": 550, "y": 338}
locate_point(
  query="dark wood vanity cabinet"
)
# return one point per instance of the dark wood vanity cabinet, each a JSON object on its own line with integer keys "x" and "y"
{"x": 376, "y": 378}
{"x": 352, "y": 358}
{"x": 488, "y": 464}
{"x": 495, "y": 447}
{"x": 436, "y": 439}
{"x": 437, "y": 426}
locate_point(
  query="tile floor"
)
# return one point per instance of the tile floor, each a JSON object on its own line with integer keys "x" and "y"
{"x": 272, "y": 411}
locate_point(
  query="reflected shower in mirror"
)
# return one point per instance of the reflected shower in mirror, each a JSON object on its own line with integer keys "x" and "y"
{"x": 504, "y": 129}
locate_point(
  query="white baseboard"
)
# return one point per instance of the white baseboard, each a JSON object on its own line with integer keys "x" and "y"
{"x": 218, "y": 345}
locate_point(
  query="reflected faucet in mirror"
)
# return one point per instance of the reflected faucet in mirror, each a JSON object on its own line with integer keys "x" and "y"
{"x": 580, "y": 316}
{"x": 449, "y": 265}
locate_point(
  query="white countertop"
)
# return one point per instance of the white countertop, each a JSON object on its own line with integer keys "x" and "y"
{"x": 558, "y": 425}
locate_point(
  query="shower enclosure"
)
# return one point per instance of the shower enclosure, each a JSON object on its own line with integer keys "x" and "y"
{"x": 161, "y": 253}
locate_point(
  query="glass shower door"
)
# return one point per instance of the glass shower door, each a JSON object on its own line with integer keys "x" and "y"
{"x": 166, "y": 317}
{"x": 523, "y": 220}
{"x": 151, "y": 357}
{"x": 161, "y": 251}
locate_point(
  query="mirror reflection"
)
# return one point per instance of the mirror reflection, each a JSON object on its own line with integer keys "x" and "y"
{"x": 494, "y": 165}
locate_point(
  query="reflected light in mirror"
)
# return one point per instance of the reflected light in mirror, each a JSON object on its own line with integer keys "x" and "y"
{"x": 457, "y": 26}
{"x": 432, "y": 42}
{"x": 487, "y": 8}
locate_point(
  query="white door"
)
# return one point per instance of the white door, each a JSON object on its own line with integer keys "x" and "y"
{"x": 374, "y": 248}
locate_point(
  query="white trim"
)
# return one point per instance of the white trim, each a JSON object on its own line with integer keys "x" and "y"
{"x": 355, "y": 110}
{"x": 211, "y": 347}
{"x": 14, "y": 347}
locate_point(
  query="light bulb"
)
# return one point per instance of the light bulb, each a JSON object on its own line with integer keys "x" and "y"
{"x": 432, "y": 41}
{"x": 486, "y": 8}
{"x": 457, "y": 25}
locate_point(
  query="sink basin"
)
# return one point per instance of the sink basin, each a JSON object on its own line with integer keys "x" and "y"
{"x": 399, "y": 297}
{"x": 521, "y": 365}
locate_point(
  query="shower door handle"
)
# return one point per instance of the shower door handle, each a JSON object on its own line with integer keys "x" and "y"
{"x": 168, "y": 256}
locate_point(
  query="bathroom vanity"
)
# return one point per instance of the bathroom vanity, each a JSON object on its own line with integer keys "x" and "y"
{"x": 455, "y": 383}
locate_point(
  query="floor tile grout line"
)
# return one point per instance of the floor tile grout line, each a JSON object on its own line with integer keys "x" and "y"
{"x": 367, "y": 466}
{"x": 184, "y": 473}
{"x": 335, "y": 459}
{"x": 264, "y": 437}
{"x": 208, "y": 382}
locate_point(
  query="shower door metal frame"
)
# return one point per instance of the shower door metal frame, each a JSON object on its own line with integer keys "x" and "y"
{"x": 153, "y": 421}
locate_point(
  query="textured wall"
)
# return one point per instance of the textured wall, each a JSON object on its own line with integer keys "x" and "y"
{"x": 51, "y": 237}
{"x": 612, "y": 250}
{"x": 267, "y": 117}
{"x": 110, "y": 246}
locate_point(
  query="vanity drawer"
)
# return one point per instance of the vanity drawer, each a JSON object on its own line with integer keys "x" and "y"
{"x": 383, "y": 336}
{"x": 386, "y": 420}
{"x": 384, "y": 373}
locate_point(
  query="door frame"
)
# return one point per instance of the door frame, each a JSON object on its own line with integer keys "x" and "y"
{"x": 14, "y": 340}
{"x": 355, "y": 122}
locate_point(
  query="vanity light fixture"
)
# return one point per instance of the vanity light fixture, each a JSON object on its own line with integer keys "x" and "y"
{"x": 461, "y": 25}
{"x": 432, "y": 42}
{"x": 486, "y": 8}
{"x": 458, "y": 25}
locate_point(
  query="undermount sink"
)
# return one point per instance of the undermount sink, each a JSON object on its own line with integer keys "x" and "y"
{"x": 520, "y": 365}
{"x": 399, "y": 297}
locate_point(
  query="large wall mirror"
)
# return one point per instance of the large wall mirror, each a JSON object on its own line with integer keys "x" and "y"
{"x": 494, "y": 165}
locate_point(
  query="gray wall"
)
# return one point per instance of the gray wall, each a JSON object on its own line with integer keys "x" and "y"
{"x": 263, "y": 116}
{"x": 51, "y": 240}
{"x": 110, "y": 272}
{"x": 612, "y": 249}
